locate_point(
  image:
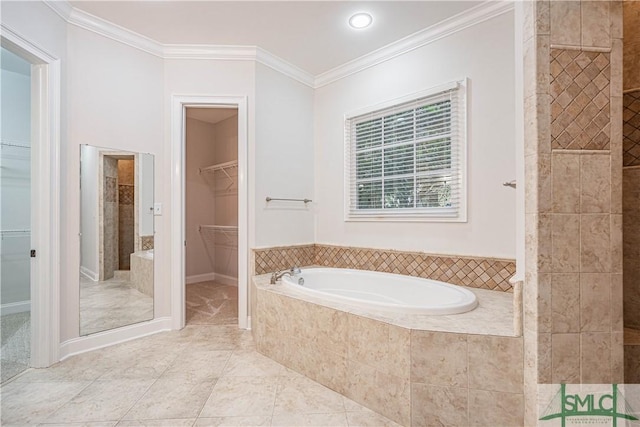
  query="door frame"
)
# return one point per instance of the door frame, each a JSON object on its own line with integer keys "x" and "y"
{"x": 179, "y": 104}
{"x": 45, "y": 196}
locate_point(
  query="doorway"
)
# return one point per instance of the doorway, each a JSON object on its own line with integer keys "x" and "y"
{"x": 179, "y": 240}
{"x": 15, "y": 199}
{"x": 30, "y": 160}
{"x": 211, "y": 209}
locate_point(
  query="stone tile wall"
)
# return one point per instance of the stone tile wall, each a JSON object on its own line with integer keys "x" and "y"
{"x": 485, "y": 273}
{"x": 631, "y": 128}
{"x": 146, "y": 242}
{"x": 572, "y": 294}
{"x": 631, "y": 190}
{"x": 413, "y": 377}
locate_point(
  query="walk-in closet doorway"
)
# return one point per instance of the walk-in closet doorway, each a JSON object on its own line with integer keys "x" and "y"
{"x": 29, "y": 205}
{"x": 211, "y": 210}
{"x": 210, "y": 235}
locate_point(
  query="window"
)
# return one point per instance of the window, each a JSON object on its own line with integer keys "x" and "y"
{"x": 407, "y": 160}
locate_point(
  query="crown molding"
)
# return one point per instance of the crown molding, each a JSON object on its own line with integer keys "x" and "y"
{"x": 215, "y": 52}
{"x": 270, "y": 60}
{"x": 62, "y": 8}
{"x": 466, "y": 19}
{"x": 237, "y": 53}
{"x": 115, "y": 32}
{"x": 123, "y": 35}
{"x": 447, "y": 27}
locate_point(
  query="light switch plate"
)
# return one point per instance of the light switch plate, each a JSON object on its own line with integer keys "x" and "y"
{"x": 157, "y": 209}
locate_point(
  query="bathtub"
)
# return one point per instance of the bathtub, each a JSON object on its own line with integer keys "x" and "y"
{"x": 142, "y": 271}
{"x": 383, "y": 291}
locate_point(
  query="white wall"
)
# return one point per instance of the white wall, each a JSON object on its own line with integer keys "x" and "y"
{"x": 485, "y": 54}
{"x": 199, "y": 200}
{"x": 15, "y": 181}
{"x": 284, "y": 159}
{"x": 147, "y": 176}
{"x": 115, "y": 99}
{"x": 212, "y": 78}
{"x": 225, "y": 262}
{"x": 89, "y": 262}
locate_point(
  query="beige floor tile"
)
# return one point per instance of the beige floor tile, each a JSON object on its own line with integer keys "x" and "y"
{"x": 369, "y": 418}
{"x": 102, "y": 401}
{"x": 234, "y": 422}
{"x": 87, "y": 424}
{"x": 338, "y": 419}
{"x": 252, "y": 364}
{"x": 219, "y": 337}
{"x": 241, "y": 396}
{"x": 351, "y": 406}
{"x": 145, "y": 365}
{"x": 198, "y": 365}
{"x": 300, "y": 395}
{"x": 171, "y": 398}
{"x": 188, "y": 422}
{"x": 32, "y": 403}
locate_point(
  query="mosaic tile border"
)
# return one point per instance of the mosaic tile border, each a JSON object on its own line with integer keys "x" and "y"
{"x": 580, "y": 99}
{"x": 476, "y": 272}
{"x": 279, "y": 258}
{"x": 146, "y": 242}
{"x": 631, "y": 129}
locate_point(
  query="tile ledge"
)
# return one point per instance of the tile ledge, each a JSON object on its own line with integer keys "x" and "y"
{"x": 563, "y": 151}
{"x": 581, "y": 48}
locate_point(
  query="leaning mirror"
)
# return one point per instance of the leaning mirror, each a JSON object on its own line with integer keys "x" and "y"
{"x": 116, "y": 238}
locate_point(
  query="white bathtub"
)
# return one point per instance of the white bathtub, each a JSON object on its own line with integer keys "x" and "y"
{"x": 384, "y": 291}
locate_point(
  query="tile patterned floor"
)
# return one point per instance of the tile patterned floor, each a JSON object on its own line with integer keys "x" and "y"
{"x": 211, "y": 303}
{"x": 203, "y": 375}
{"x": 111, "y": 304}
{"x": 15, "y": 352}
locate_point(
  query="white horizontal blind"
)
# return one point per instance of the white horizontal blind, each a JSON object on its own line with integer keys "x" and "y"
{"x": 406, "y": 160}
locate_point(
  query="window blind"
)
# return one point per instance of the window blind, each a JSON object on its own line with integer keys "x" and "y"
{"x": 407, "y": 159}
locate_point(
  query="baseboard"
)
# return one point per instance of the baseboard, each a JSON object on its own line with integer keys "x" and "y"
{"x": 215, "y": 277}
{"x": 115, "y": 336}
{"x": 197, "y": 278}
{"x": 225, "y": 280}
{"x": 15, "y": 307}
{"x": 89, "y": 274}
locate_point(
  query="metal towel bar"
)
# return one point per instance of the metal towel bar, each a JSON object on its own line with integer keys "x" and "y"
{"x": 269, "y": 199}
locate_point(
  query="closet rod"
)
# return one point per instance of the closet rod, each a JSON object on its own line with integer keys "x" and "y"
{"x": 9, "y": 144}
{"x": 269, "y": 199}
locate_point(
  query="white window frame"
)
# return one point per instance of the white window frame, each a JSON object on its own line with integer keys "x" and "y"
{"x": 428, "y": 215}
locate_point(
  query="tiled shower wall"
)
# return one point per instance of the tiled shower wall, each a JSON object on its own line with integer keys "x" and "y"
{"x": 631, "y": 189}
{"x": 486, "y": 273}
{"x": 109, "y": 248}
{"x": 573, "y": 191}
{"x": 126, "y": 205}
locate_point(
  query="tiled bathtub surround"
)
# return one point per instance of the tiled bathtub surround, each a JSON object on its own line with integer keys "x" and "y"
{"x": 484, "y": 273}
{"x": 146, "y": 242}
{"x": 413, "y": 376}
{"x": 572, "y": 296}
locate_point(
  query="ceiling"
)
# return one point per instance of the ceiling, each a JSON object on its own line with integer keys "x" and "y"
{"x": 211, "y": 115}
{"x": 313, "y": 35}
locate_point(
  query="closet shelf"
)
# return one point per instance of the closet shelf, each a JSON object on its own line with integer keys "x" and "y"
{"x": 225, "y": 181}
{"x": 220, "y": 235}
{"x": 224, "y": 167}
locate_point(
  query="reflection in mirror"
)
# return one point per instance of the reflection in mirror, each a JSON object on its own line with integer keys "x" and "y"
{"x": 116, "y": 238}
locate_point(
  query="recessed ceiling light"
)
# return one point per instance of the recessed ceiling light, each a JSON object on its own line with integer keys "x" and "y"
{"x": 360, "y": 20}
